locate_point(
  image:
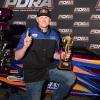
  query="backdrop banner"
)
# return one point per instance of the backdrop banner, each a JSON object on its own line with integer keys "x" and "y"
{"x": 81, "y": 18}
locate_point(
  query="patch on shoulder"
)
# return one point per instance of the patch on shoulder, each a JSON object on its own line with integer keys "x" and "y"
{"x": 34, "y": 35}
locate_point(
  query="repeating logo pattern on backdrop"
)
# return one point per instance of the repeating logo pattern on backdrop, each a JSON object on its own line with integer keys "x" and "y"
{"x": 79, "y": 17}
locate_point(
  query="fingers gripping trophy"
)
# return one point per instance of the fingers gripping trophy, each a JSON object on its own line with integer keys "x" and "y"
{"x": 67, "y": 42}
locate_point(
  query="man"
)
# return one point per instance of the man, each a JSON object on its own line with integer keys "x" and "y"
{"x": 38, "y": 47}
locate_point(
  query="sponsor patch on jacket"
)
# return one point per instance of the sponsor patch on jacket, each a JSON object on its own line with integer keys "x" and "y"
{"x": 34, "y": 35}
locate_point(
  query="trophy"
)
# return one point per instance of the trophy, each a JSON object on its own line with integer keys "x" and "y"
{"x": 67, "y": 42}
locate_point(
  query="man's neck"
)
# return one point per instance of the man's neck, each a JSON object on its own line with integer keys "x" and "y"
{"x": 44, "y": 29}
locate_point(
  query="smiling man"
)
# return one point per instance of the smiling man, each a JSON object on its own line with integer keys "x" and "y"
{"x": 38, "y": 47}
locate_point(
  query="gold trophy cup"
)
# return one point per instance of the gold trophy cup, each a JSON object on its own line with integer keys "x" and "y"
{"x": 67, "y": 42}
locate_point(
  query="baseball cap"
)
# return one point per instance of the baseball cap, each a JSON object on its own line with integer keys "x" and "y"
{"x": 43, "y": 12}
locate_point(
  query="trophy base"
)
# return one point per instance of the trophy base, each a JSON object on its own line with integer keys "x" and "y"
{"x": 65, "y": 65}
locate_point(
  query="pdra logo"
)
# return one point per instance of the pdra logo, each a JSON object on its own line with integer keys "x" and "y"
{"x": 98, "y": 5}
{"x": 27, "y": 4}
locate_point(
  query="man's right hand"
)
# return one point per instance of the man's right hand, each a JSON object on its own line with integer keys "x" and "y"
{"x": 27, "y": 40}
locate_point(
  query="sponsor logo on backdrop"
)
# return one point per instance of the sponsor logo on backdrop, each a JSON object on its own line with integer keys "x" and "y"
{"x": 81, "y": 24}
{"x": 95, "y": 17}
{"x": 95, "y": 31}
{"x": 26, "y": 5}
{"x": 53, "y": 23}
{"x": 19, "y": 22}
{"x": 82, "y": 10}
{"x": 31, "y": 16}
{"x": 65, "y": 31}
{"x": 65, "y": 17}
{"x": 98, "y": 6}
{"x": 81, "y": 38}
{"x": 94, "y": 46}
{"x": 66, "y": 2}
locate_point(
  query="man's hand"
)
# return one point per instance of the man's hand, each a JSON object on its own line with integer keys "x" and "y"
{"x": 27, "y": 40}
{"x": 64, "y": 55}
{"x": 19, "y": 54}
{"x": 61, "y": 55}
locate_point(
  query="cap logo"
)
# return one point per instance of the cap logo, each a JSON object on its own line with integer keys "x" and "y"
{"x": 43, "y": 11}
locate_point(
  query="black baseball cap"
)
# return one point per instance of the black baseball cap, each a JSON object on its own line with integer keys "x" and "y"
{"x": 43, "y": 12}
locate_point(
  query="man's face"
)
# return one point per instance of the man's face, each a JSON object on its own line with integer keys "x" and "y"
{"x": 43, "y": 21}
